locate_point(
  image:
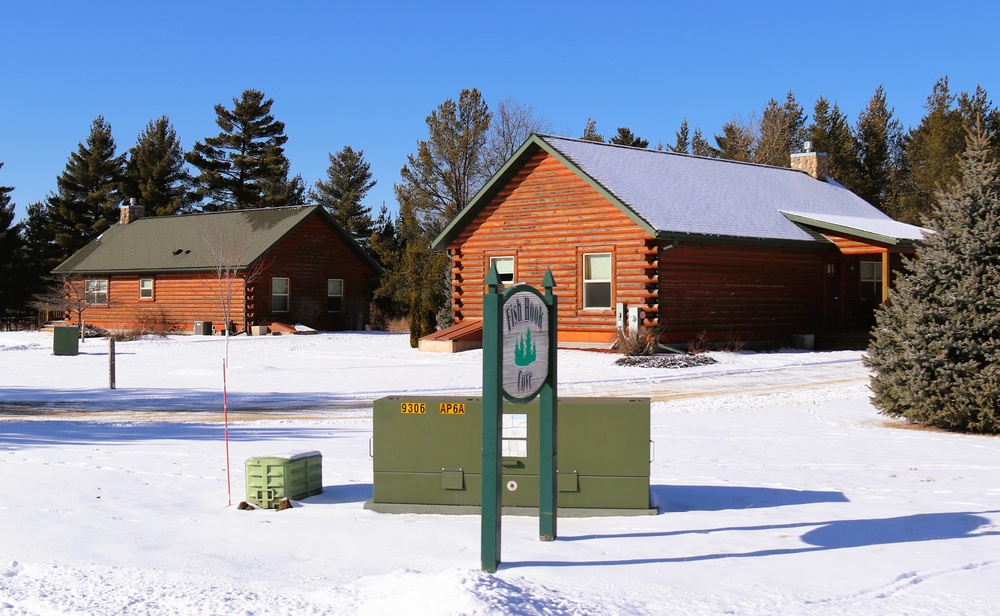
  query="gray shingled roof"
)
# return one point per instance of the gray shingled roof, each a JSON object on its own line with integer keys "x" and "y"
{"x": 679, "y": 194}
{"x": 707, "y": 196}
{"x": 184, "y": 243}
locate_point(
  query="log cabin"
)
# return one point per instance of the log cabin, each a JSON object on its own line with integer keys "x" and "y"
{"x": 291, "y": 265}
{"x": 695, "y": 248}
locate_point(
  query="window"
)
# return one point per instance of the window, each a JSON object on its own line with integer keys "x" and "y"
{"x": 96, "y": 291}
{"x": 871, "y": 280}
{"x": 145, "y": 288}
{"x": 597, "y": 280}
{"x": 335, "y": 295}
{"x": 505, "y": 269}
{"x": 279, "y": 295}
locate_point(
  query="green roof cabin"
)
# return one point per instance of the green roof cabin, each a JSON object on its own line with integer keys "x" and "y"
{"x": 288, "y": 265}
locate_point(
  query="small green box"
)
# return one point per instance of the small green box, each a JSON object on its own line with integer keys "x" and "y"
{"x": 66, "y": 340}
{"x": 292, "y": 476}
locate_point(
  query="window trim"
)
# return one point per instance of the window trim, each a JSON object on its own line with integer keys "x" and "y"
{"x": 875, "y": 279}
{"x": 106, "y": 292}
{"x": 329, "y": 295}
{"x": 152, "y": 289}
{"x": 584, "y": 282}
{"x": 513, "y": 271}
{"x": 287, "y": 294}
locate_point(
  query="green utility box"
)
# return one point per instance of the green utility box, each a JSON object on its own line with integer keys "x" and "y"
{"x": 427, "y": 455}
{"x": 66, "y": 340}
{"x": 292, "y": 476}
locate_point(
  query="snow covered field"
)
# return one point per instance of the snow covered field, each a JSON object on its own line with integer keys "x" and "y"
{"x": 781, "y": 491}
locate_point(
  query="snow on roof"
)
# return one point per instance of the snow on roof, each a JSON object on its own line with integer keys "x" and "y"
{"x": 884, "y": 227}
{"x": 681, "y": 193}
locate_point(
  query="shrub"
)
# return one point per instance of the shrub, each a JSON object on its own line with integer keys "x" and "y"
{"x": 639, "y": 343}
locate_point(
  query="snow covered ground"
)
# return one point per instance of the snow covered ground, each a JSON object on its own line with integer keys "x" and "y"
{"x": 781, "y": 491}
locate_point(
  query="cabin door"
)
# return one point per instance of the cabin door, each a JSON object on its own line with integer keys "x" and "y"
{"x": 834, "y": 314}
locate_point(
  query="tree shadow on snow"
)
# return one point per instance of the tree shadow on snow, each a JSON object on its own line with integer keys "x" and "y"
{"x": 830, "y": 535}
{"x": 719, "y": 498}
{"x": 23, "y": 433}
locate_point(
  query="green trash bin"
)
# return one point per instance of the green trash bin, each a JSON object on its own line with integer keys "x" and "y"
{"x": 66, "y": 340}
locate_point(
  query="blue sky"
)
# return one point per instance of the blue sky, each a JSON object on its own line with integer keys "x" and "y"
{"x": 367, "y": 74}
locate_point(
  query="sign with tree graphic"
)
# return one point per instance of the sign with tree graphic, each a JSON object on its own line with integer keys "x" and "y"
{"x": 525, "y": 331}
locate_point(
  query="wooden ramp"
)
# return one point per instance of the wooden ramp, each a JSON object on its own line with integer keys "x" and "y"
{"x": 455, "y": 339}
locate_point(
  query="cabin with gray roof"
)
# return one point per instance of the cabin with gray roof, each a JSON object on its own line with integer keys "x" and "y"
{"x": 700, "y": 249}
{"x": 291, "y": 265}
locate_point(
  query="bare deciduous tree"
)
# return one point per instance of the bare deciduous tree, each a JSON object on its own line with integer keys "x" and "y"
{"x": 512, "y": 124}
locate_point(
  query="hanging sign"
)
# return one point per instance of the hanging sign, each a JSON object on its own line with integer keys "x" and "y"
{"x": 524, "y": 325}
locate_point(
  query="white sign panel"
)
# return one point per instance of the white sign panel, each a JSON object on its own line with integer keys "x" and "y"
{"x": 524, "y": 326}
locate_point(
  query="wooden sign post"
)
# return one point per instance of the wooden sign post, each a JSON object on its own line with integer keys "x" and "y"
{"x": 519, "y": 363}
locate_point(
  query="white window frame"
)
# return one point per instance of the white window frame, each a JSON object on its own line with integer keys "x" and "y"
{"x": 506, "y": 278}
{"x": 871, "y": 280}
{"x": 330, "y": 295}
{"x": 286, "y": 295}
{"x": 588, "y": 282}
{"x": 145, "y": 293}
{"x": 93, "y": 294}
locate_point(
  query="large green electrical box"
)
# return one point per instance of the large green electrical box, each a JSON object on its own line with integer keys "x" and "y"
{"x": 66, "y": 340}
{"x": 294, "y": 476}
{"x": 427, "y": 454}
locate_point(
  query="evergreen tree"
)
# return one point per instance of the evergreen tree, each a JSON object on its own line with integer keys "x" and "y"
{"x": 155, "y": 175}
{"x": 781, "y": 132}
{"x": 935, "y": 354}
{"x": 88, "y": 195}
{"x": 590, "y": 132}
{"x": 244, "y": 166}
{"x": 701, "y": 147}
{"x": 447, "y": 170}
{"x": 349, "y": 178}
{"x": 682, "y": 143}
{"x": 831, "y": 134}
{"x": 977, "y": 109}
{"x": 877, "y": 149}
{"x": 930, "y": 154}
{"x": 735, "y": 142}
{"x": 13, "y": 283}
{"x": 626, "y": 137}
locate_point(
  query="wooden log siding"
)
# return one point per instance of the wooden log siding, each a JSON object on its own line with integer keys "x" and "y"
{"x": 309, "y": 256}
{"x": 546, "y": 217}
{"x": 738, "y": 294}
{"x": 179, "y": 300}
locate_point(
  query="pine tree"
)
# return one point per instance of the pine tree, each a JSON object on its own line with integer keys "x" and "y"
{"x": 877, "y": 149}
{"x": 682, "y": 143}
{"x": 155, "y": 175}
{"x": 447, "y": 170}
{"x": 781, "y": 132}
{"x": 977, "y": 109}
{"x": 349, "y": 178}
{"x": 244, "y": 166}
{"x": 831, "y": 134}
{"x": 935, "y": 354}
{"x": 12, "y": 265}
{"x": 590, "y": 132}
{"x": 736, "y": 141}
{"x": 625, "y": 136}
{"x": 701, "y": 147}
{"x": 89, "y": 192}
{"x": 930, "y": 154}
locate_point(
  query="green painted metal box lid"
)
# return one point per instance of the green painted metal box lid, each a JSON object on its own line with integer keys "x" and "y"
{"x": 283, "y": 475}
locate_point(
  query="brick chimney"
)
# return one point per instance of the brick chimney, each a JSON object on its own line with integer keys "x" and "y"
{"x": 131, "y": 212}
{"x": 815, "y": 164}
